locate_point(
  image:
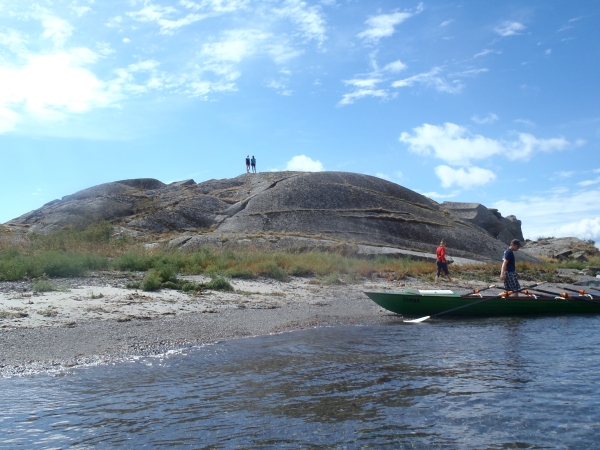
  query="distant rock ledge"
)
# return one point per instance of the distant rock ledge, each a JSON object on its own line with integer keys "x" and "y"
{"x": 291, "y": 210}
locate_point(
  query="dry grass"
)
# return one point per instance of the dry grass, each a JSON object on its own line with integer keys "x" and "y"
{"x": 71, "y": 252}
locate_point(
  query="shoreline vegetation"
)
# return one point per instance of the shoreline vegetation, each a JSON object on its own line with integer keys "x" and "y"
{"x": 76, "y": 297}
{"x": 71, "y": 253}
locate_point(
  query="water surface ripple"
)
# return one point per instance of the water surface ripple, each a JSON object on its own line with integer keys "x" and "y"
{"x": 497, "y": 383}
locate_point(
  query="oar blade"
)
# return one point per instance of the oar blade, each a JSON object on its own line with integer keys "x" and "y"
{"x": 419, "y": 320}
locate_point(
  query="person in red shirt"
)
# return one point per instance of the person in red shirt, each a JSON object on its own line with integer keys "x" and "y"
{"x": 441, "y": 262}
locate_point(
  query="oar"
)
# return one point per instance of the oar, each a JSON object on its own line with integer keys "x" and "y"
{"x": 477, "y": 291}
{"x": 580, "y": 292}
{"x": 422, "y": 319}
{"x": 556, "y": 294}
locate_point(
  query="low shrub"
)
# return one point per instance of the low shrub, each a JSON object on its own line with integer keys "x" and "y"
{"x": 151, "y": 282}
{"x": 190, "y": 287}
{"x": 300, "y": 270}
{"x": 44, "y": 286}
{"x": 240, "y": 272}
{"x": 219, "y": 283}
{"x": 272, "y": 270}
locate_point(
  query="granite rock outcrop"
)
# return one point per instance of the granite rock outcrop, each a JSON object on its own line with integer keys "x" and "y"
{"x": 490, "y": 220}
{"x": 323, "y": 206}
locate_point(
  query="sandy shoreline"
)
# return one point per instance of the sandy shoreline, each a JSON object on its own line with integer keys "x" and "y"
{"x": 97, "y": 320}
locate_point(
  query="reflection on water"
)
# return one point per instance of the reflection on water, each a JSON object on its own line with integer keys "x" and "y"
{"x": 498, "y": 383}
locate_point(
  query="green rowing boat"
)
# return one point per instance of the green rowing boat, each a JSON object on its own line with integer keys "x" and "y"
{"x": 416, "y": 303}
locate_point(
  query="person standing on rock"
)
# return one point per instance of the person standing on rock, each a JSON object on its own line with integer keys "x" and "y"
{"x": 248, "y": 164}
{"x": 508, "y": 273}
{"x": 253, "y": 162}
{"x": 441, "y": 262}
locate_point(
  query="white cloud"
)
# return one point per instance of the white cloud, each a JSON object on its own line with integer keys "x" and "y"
{"x": 552, "y": 213}
{"x": 565, "y": 174}
{"x": 589, "y": 182}
{"x": 466, "y": 179}
{"x": 350, "y": 98}
{"x": 48, "y": 86}
{"x": 104, "y": 48}
{"x": 470, "y": 72}
{"x": 236, "y": 46}
{"x": 396, "y": 66}
{"x": 548, "y": 51}
{"x": 126, "y": 40}
{"x": 487, "y": 51}
{"x": 280, "y": 86}
{"x": 384, "y": 25}
{"x": 15, "y": 42}
{"x": 363, "y": 83}
{"x": 509, "y": 28}
{"x": 431, "y": 79}
{"x": 309, "y": 19}
{"x": 80, "y": 10}
{"x": 162, "y": 16}
{"x": 56, "y": 29}
{"x": 490, "y": 118}
{"x": 114, "y": 22}
{"x": 583, "y": 229}
{"x": 383, "y": 176}
{"x": 445, "y": 23}
{"x": 456, "y": 145}
{"x": 303, "y": 163}
{"x": 525, "y": 122}
{"x": 435, "y": 195}
{"x": 217, "y": 6}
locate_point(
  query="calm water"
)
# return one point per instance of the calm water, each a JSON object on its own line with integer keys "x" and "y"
{"x": 501, "y": 383}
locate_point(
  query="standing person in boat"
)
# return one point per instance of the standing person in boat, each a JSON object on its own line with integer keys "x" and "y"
{"x": 248, "y": 164}
{"x": 253, "y": 164}
{"x": 441, "y": 262}
{"x": 508, "y": 273}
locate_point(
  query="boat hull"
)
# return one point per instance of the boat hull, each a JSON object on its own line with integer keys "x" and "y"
{"x": 414, "y": 305}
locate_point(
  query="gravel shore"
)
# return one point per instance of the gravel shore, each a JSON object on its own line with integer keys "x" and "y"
{"x": 96, "y": 320}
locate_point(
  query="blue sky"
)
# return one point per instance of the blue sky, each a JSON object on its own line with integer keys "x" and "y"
{"x": 490, "y": 102}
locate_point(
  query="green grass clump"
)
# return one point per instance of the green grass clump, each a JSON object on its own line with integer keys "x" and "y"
{"x": 272, "y": 270}
{"x": 151, "y": 282}
{"x": 219, "y": 283}
{"x": 300, "y": 270}
{"x": 45, "y": 286}
{"x": 240, "y": 272}
{"x": 17, "y": 265}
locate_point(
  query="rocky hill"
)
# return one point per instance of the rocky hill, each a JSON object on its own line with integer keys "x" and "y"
{"x": 563, "y": 249}
{"x": 281, "y": 209}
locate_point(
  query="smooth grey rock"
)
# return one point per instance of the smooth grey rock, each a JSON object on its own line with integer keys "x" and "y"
{"x": 178, "y": 242}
